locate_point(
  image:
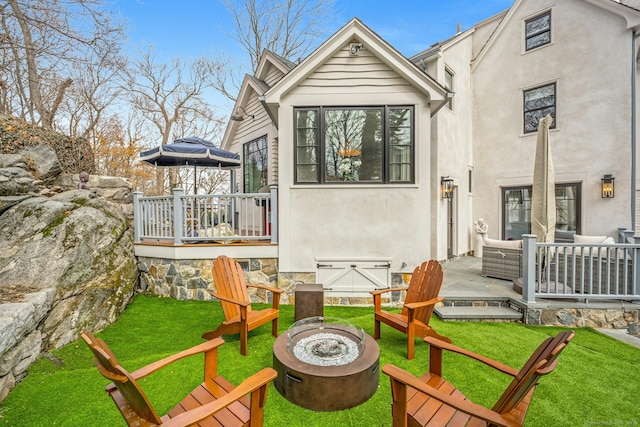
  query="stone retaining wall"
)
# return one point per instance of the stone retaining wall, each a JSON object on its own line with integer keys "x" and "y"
{"x": 192, "y": 280}
{"x": 609, "y": 318}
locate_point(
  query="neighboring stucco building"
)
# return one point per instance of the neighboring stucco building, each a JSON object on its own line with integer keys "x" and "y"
{"x": 358, "y": 138}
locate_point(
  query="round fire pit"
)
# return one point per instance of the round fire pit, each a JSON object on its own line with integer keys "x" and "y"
{"x": 326, "y": 364}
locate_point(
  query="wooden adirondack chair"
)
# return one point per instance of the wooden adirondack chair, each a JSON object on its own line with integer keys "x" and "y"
{"x": 421, "y": 298}
{"x": 431, "y": 400}
{"x": 231, "y": 290}
{"x": 215, "y": 402}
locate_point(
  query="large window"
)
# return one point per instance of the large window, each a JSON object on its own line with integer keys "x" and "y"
{"x": 538, "y": 102}
{"x": 354, "y": 145}
{"x": 516, "y": 211}
{"x": 255, "y": 164}
{"x": 538, "y": 31}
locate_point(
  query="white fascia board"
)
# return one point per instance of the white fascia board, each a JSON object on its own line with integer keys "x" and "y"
{"x": 631, "y": 16}
{"x": 358, "y": 31}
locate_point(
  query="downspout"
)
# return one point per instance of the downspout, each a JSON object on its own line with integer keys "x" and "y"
{"x": 633, "y": 129}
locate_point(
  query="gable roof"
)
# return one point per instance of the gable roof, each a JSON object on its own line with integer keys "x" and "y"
{"x": 627, "y": 9}
{"x": 356, "y": 30}
{"x": 271, "y": 58}
{"x": 255, "y": 84}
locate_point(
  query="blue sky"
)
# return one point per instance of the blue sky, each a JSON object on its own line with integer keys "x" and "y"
{"x": 192, "y": 28}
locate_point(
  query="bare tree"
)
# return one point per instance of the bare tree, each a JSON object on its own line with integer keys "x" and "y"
{"x": 42, "y": 43}
{"x": 171, "y": 98}
{"x": 289, "y": 28}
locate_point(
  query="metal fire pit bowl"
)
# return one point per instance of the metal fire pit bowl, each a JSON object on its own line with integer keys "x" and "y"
{"x": 326, "y": 364}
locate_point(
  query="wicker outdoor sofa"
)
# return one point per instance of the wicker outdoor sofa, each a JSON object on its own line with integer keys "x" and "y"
{"x": 502, "y": 259}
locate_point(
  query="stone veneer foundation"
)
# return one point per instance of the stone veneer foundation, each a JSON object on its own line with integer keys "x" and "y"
{"x": 191, "y": 279}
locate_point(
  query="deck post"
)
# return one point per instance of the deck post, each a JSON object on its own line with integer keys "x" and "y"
{"x": 528, "y": 268}
{"x": 636, "y": 266}
{"x": 622, "y": 235}
{"x": 178, "y": 220}
{"x": 274, "y": 213}
{"x": 137, "y": 216}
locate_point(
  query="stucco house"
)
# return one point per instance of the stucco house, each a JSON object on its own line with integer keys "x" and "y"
{"x": 346, "y": 137}
{"x": 358, "y": 139}
{"x": 376, "y": 162}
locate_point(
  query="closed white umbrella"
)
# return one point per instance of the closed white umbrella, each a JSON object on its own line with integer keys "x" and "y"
{"x": 543, "y": 197}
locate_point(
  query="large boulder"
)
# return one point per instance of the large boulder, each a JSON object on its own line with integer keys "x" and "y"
{"x": 66, "y": 255}
{"x": 42, "y": 160}
{"x": 79, "y": 245}
{"x": 15, "y": 181}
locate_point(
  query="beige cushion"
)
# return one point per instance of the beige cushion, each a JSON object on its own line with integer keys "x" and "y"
{"x": 595, "y": 240}
{"x": 507, "y": 244}
{"x": 589, "y": 240}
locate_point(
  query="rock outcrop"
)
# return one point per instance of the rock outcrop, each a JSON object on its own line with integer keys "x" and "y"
{"x": 66, "y": 257}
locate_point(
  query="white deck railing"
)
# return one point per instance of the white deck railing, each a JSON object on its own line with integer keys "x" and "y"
{"x": 211, "y": 218}
{"x": 581, "y": 271}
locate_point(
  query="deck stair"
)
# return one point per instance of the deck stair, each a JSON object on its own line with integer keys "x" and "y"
{"x": 478, "y": 309}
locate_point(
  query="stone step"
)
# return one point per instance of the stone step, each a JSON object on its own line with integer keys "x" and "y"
{"x": 470, "y": 313}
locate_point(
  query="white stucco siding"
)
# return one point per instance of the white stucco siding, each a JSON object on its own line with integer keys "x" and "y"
{"x": 452, "y": 133}
{"x": 353, "y": 221}
{"x": 589, "y": 60}
{"x": 483, "y": 30}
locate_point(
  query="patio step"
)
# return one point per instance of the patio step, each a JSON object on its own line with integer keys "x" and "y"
{"x": 477, "y": 311}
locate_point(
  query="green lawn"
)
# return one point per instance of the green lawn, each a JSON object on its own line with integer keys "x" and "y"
{"x": 597, "y": 381}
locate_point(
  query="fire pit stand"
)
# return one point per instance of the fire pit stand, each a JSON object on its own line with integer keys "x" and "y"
{"x": 326, "y": 364}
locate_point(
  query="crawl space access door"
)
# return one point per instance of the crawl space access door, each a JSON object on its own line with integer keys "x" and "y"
{"x": 353, "y": 278}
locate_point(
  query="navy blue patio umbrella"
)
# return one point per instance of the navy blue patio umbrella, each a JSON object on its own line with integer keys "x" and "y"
{"x": 191, "y": 151}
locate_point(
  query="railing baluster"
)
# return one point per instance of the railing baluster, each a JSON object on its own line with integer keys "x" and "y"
{"x": 187, "y": 218}
{"x": 604, "y": 270}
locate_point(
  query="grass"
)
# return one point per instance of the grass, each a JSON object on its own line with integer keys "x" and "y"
{"x": 597, "y": 380}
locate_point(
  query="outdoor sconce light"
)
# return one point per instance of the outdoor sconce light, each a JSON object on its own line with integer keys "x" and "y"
{"x": 446, "y": 186}
{"x": 608, "y": 186}
{"x": 240, "y": 115}
{"x": 354, "y": 48}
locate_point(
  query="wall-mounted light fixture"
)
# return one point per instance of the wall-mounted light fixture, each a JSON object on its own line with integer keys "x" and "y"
{"x": 446, "y": 187}
{"x": 241, "y": 114}
{"x": 608, "y": 186}
{"x": 354, "y": 48}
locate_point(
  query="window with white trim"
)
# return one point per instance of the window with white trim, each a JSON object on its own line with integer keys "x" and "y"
{"x": 538, "y": 31}
{"x": 537, "y": 103}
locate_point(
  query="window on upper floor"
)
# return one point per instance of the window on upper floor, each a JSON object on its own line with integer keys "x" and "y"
{"x": 255, "y": 164}
{"x": 354, "y": 145}
{"x": 538, "y": 31}
{"x": 537, "y": 103}
{"x": 448, "y": 84}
